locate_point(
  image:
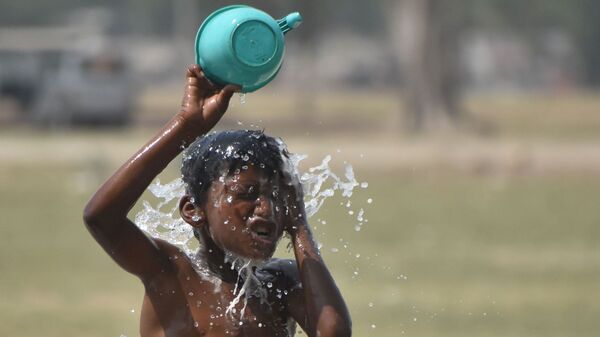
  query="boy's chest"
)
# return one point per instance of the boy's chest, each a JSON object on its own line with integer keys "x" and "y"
{"x": 188, "y": 305}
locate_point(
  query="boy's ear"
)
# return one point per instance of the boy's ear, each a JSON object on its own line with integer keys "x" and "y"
{"x": 190, "y": 213}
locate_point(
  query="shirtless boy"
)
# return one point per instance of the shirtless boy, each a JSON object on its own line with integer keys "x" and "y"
{"x": 237, "y": 207}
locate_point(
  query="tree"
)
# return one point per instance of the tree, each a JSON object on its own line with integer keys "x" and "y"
{"x": 425, "y": 34}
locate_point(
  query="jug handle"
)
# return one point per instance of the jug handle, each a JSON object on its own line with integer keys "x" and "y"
{"x": 290, "y": 22}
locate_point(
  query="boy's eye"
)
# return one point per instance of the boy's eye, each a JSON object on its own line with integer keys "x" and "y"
{"x": 246, "y": 192}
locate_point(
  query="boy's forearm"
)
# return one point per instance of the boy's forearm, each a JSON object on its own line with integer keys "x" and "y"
{"x": 326, "y": 311}
{"x": 121, "y": 191}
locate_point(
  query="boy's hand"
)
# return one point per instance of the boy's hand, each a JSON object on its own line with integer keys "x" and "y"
{"x": 293, "y": 198}
{"x": 204, "y": 103}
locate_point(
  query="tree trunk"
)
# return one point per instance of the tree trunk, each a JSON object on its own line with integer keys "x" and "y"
{"x": 426, "y": 42}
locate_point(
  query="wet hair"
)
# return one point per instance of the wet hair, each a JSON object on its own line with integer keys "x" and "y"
{"x": 218, "y": 153}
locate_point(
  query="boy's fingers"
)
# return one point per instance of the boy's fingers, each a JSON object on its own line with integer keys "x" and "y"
{"x": 233, "y": 88}
{"x": 195, "y": 77}
{"x": 203, "y": 81}
{"x": 189, "y": 71}
{"x": 225, "y": 95}
{"x": 191, "y": 78}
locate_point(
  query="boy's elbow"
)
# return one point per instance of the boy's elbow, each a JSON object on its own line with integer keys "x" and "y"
{"x": 332, "y": 324}
{"x": 92, "y": 214}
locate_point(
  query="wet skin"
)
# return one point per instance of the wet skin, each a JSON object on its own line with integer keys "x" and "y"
{"x": 177, "y": 301}
{"x": 245, "y": 213}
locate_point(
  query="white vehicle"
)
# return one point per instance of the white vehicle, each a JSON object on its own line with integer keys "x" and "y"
{"x": 85, "y": 89}
{"x": 60, "y": 76}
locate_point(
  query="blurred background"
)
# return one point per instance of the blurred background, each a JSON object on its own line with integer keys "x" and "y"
{"x": 476, "y": 124}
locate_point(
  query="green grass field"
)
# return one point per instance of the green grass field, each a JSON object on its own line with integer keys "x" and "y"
{"x": 441, "y": 255}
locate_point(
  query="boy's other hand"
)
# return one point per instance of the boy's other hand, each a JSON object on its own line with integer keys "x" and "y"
{"x": 203, "y": 102}
{"x": 293, "y": 204}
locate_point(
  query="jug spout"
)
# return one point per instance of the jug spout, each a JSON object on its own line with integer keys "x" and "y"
{"x": 290, "y": 22}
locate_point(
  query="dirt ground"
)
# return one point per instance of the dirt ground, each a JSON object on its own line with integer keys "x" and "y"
{"x": 383, "y": 151}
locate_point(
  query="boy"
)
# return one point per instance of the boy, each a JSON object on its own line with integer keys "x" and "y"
{"x": 237, "y": 208}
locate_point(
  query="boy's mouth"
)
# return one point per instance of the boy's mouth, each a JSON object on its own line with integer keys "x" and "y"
{"x": 262, "y": 229}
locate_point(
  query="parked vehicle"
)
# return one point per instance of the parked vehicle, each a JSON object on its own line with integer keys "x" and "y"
{"x": 60, "y": 80}
{"x": 85, "y": 89}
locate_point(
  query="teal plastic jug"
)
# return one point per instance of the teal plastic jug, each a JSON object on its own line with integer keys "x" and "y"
{"x": 242, "y": 45}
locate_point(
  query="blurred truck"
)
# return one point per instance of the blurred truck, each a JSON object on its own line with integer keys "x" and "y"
{"x": 58, "y": 83}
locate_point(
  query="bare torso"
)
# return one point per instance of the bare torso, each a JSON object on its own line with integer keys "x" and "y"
{"x": 181, "y": 302}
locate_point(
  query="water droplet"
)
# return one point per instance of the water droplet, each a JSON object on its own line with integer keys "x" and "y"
{"x": 370, "y": 200}
{"x": 364, "y": 184}
{"x": 232, "y": 228}
{"x": 196, "y": 217}
{"x": 370, "y": 304}
{"x": 242, "y": 98}
{"x": 229, "y": 199}
{"x": 132, "y": 311}
{"x": 195, "y": 324}
{"x": 373, "y": 326}
{"x": 260, "y": 325}
{"x": 360, "y": 215}
{"x": 334, "y": 250}
{"x": 269, "y": 285}
{"x": 190, "y": 294}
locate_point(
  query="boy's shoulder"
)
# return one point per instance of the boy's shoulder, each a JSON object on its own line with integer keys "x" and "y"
{"x": 281, "y": 272}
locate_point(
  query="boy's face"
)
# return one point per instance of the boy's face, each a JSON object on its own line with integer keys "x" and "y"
{"x": 245, "y": 213}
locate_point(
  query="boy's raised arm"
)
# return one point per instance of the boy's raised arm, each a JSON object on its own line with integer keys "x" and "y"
{"x": 318, "y": 306}
{"x": 105, "y": 215}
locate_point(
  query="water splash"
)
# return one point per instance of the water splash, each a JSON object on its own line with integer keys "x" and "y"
{"x": 164, "y": 223}
{"x": 318, "y": 182}
{"x": 252, "y": 286}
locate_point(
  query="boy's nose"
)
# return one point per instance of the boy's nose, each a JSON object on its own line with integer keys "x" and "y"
{"x": 264, "y": 207}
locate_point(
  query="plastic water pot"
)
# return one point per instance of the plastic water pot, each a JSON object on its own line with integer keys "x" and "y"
{"x": 242, "y": 45}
